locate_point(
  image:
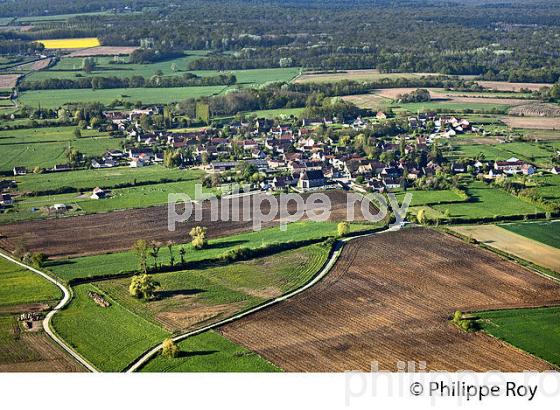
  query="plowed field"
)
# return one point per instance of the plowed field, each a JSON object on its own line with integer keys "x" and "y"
{"x": 388, "y": 299}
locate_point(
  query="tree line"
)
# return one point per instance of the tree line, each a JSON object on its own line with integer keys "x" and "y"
{"x": 156, "y": 81}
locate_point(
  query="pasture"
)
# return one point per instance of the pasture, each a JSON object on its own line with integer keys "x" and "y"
{"x": 488, "y": 202}
{"x": 18, "y": 286}
{"x": 210, "y": 352}
{"x": 533, "y": 330}
{"x": 109, "y": 338}
{"x": 57, "y": 98}
{"x": 363, "y": 312}
{"x": 514, "y": 244}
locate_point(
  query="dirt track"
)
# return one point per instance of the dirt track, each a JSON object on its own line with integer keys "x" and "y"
{"x": 388, "y": 299}
{"x": 117, "y": 231}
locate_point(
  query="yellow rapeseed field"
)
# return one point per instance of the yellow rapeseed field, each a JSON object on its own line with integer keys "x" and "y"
{"x": 71, "y": 42}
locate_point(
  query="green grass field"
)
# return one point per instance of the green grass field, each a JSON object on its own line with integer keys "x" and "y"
{"x": 548, "y": 186}
{"x": 537, "y": 153}
{"x": 44, "y": 147}
{"x": 488, "y": 202}
{"x": 57, "y": 98}
{"x": 19, "y": 286}
{"x": 449, "y": 107}
{"x": 115, "y": 263}
{"x": 210, "y": 352}
{"x": 230, "y": 287}
{"x": 544, "y": 232}
{"x": 533, "y": 330}
{"x": 110, "y": 338}
{"x": 36, "y": 207}
{"x": 420, "y": 198}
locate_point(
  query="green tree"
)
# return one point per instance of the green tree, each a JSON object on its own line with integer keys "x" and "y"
{"x": 154, "y": 252}
{"x": 88, "y": 64}
{"x": 38, "y": 259}
{"x": 421, "y": 216}
{"x": 343, "y": 229}
{"x": 140, "y": 247}
{"x": 198, "y": 235}
{"x": 170, "y": 245}
{"x": 169, "y": 349}
{"x": 143, "y": 286}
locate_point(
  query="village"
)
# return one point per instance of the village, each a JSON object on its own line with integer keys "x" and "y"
{"x": 276, "y": 156}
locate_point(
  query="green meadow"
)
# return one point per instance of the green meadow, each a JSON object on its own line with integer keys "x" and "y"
{"x": 533, "y": 330}
{"x": 57, "y": 98}
{"x": 488, "y": 202}
{"x": 210, "y": 352}
{"x": 19, "y": 286}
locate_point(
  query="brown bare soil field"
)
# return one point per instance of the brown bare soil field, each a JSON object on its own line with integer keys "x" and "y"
{"x": 505, "y": 86}
{"x": 117, "y": 231}
{"x": 440, "y": 95}
{"x": 354, "y": 75}
{"x": 537, "y": 123}
{"x": 514, "y": 244}
{"x": 536, "y": 110}
{"x": 102, "y": 51}
{"x": 40, "y": 64}
{"x": 36, "y": 352}
{"x": 8, "y": 80}
{"x": 388, "y": 299}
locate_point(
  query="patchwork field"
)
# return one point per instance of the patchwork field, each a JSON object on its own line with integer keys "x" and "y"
{"x": 114, "y": 336}
{"x": 64, "y": 43}
{"x": 514, "y": 244}
{"x": 194, "y": 297}
{"x": 22, "y": 350}
{"x": 544, "y": 232}
{"x": 116, "y": 231}
{"x": 127, "y": 261}
{"x": 533, "y": 330}
{"x": 397, "y": 309}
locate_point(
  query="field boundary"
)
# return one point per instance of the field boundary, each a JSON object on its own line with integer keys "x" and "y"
{"x": 67, "y": 297}
{"x": 335, "y": 253}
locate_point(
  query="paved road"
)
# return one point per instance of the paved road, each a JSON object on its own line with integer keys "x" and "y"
{"x": 330, "y": 263}
{"x": 46, "y": 322}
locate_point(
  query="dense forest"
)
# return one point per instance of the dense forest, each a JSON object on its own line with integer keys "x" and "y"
{"x": 514, "y": 40}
